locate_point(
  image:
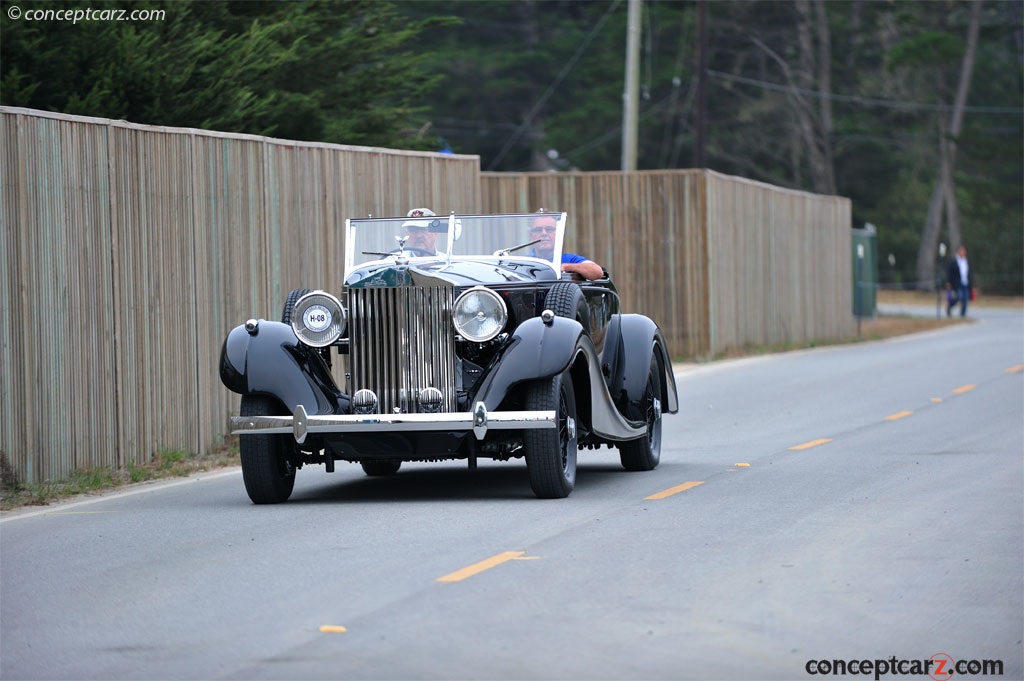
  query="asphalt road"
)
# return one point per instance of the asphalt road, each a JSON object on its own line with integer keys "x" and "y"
{"x": 849, "y": 503}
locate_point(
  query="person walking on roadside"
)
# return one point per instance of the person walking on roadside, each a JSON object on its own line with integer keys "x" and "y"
{"x": 959, "y": 282}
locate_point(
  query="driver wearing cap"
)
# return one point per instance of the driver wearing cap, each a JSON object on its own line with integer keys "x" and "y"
{"x": 420, "y": 236}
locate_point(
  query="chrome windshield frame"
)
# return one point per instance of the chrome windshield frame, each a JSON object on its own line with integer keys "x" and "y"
{"x": 467, "y": 237}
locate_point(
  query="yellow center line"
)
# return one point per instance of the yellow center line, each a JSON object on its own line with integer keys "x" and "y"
{"x": 898, "y": 415}
{"x": 812, "y": 443}
{"x": 964, "y": 388}
{"x": 1015, "y": 369}
{"x": 936, "y": 400}
{"x": 675, "y": 490}
{"x": 486, "y": 564}
{"x": 331, "y": 629}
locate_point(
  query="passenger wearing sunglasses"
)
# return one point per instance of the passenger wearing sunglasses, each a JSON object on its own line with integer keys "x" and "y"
{"x": 543, "y": 230}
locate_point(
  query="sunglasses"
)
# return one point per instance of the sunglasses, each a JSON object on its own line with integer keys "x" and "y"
{"x": 413, "y": 229}
{"x": 550, "y": 229}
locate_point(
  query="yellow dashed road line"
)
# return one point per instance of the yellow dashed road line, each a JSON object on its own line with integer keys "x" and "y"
{"x": 675, "y": 490}
{"x": 812, "y": 443}
{"x": 486, "y": 564}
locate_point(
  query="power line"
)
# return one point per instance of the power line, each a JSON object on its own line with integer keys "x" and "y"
{"x": 470, "y": 123}
{"x": 613, "y": 133}
{"x": 551, "y": 88}
{"x": 857, "y": 99}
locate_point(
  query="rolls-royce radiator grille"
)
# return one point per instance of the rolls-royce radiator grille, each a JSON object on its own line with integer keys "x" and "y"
{"x": 402, "y": 341}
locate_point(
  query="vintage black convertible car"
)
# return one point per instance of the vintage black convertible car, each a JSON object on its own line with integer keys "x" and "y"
{"x": 458, "y": 337}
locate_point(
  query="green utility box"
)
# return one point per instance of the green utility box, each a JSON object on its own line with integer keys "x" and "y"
{"x": 865, "y": 271}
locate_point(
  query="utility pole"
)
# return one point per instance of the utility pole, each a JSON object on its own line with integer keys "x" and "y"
{"x": 701, "y": 108}
{"x": 630, "y": 104}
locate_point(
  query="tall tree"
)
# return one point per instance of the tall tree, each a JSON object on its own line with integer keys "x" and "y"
{"x": 773, "y": 71}
{"x": 529, "y": 78}
{"x": 346, "y": 72}
{"x": 944, "y": 193}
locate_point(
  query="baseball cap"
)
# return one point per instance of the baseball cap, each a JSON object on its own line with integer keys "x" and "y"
{"x": 419, "y": 213}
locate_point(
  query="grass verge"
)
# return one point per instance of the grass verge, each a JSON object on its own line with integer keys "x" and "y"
{"x": 166, "y": 464}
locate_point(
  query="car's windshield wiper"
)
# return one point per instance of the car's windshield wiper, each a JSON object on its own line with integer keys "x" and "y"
{"x": 506, "y": 251}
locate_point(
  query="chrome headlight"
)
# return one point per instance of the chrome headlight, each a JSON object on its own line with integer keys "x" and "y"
{"x": 479, "y": 314}
{"x": 318, "y": 319}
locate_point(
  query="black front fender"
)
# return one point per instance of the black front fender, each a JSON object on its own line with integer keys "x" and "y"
{"x": 631, "y": 341}
{"x": 536, "y": 350}
{"x": 271, "y": 360}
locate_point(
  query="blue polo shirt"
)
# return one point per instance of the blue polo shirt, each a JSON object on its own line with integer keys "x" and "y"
{"x": 566, "y": 257}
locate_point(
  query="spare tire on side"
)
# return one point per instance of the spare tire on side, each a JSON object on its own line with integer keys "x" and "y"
{"x": 289, "y": 304}
{"x": 566, "y": 299}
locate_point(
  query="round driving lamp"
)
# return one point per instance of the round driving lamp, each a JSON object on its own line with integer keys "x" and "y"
{"x": 479, "y": 314}
{"x": 318, "y": 319}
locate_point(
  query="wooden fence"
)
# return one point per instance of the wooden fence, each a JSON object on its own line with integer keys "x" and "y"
{"x": 719, "y": 262}
{"x": 128, "y": 251}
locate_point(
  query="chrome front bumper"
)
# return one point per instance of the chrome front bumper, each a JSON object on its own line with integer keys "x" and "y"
{"x": 479, "y": 421}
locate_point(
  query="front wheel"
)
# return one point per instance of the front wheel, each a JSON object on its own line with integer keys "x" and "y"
{"x": 551, "y": 452}
{"x": 267, "y": 469}
{"x": 644, "y": 453}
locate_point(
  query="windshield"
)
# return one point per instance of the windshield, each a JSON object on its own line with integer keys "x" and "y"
{"x": 455, "y": 237}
